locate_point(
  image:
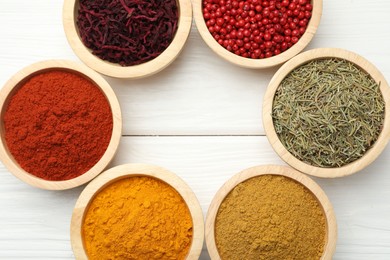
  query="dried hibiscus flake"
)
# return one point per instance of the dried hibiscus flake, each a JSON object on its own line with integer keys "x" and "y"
{"x": 127, "y": 32}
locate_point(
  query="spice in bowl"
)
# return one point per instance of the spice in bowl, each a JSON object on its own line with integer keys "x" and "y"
{"x": 257, "y": 29}
{"x": 326, "y": 112}
{"x": 137, "y": 218}
{"x": 61, "y": 124}
{"x": 57, "y": 125}
{"x": 127, "y": 32}
{"x": 270, "y": 212}
{"x": 127, "y": 38}
{"x": 137, "y": 211}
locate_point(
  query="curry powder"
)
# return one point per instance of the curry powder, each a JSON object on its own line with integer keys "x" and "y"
{"x": 137, "y": 218}
{"x": 270, "y": 217}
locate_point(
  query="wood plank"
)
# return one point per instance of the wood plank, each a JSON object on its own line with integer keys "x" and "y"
{"x": 35, "y": 223}
{"x": 200, "y": 93}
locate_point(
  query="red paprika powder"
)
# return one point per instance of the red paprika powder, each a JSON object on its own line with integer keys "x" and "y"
{"x": 58, "y": 125}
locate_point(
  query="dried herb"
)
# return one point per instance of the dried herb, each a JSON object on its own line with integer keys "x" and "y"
{"x": 127, "y": 32}
{"x": 328, "y": 112}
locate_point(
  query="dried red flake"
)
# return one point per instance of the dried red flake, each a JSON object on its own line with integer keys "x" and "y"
{"x": 127, "y": 32}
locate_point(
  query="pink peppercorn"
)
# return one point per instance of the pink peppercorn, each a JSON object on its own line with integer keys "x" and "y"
{"x": 257, "y": 28}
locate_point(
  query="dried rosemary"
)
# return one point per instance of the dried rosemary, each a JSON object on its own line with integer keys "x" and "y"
{"x": 328, "y": 112}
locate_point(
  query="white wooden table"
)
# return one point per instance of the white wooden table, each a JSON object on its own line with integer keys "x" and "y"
{"x": 200, "y": 118}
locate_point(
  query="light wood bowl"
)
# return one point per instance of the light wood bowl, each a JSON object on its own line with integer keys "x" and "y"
{"x": 15, "y": 82}
{"x": 258, "y": 63}
{"x": 70, "y": 12}
{"x": 331, "y": 225}
{"x": 132, "y": 170}
{"x": 301, "y": 59}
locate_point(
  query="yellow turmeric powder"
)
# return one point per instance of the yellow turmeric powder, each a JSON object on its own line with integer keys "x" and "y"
{"x": 137, "y": 218}
{"x": 270, "y": 217}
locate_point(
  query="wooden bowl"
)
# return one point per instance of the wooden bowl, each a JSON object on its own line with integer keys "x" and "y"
{"x": 70, "y": 12}
{"x": 299, "y": 60}
{"x": 331, "y": 225}
{"x": 132, "y": 170}
{"x": 258, "y": 63}
{"x": 15, "y": 82}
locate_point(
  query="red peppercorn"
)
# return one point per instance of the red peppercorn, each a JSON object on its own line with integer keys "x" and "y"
{"x": 258, "y": 40}
{"x": 295, "y": 33}
{"x": 247, "y": 45}
{"x": 268, "y": 45}
{"x": 292, "y": 6}
{"x": 257, "y": 28}
{"x": 267, "y": 36}
{"x": 302, "y": 23}
{"x": 309, "y": 7}
{"x": 283, "y": 46}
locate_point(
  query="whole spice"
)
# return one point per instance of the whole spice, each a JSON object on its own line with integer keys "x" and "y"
{"x": 127, "y": 32}
{"x": 328, "y": 112}
{"x": 57, "y": 125}
{"x": 137, "y": 218}
{"x": 257, "y": 28}
{"x": 270, "y": 217}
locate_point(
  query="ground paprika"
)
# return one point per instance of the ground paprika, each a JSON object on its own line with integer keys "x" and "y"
{"x": 58, "y": 125}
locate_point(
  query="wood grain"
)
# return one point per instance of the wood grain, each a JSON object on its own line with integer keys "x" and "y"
{"x": 35, "y": 223}
{"x": 201, "y": 117}
{"x": 178, "y": 101}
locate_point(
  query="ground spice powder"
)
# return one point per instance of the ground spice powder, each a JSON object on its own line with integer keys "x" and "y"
{"x": 270, "y": 217}
{"x": 58, "y": 125}
{"x": 137, "y": 218}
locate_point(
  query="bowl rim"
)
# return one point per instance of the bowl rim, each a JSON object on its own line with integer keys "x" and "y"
{"x": 135, "y": 71}
{"x": 131, "y": 170}
{"x": 279, "y": 148}
{"x": 277, "y": 170}
{"x": 14, "y": 83}
{"x": 258, "y": 63}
